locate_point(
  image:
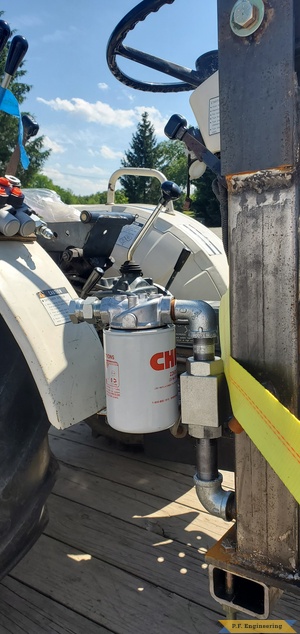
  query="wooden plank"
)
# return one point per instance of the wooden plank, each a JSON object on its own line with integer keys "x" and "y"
{"x": 117, "y": 600}
{"x": 168, "y": 485}
{"x": 23, "y": 610}
{"x": 169, "y": 520}
{"x": 163, "y": 562}
{"x": 82, "y": 433}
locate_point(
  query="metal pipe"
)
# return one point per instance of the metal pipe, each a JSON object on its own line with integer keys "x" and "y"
{"x": 207, "y": 458}
{"x": 201, "y": 317}
{"x": 134, "y": 171}
{"x": 208, "y": 481}
{"x": 214, "y": 499}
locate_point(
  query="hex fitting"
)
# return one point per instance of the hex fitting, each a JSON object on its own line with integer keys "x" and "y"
{"x": 244, "y": 14}
{"x": 246, "y": 17}
{"x": 214, "y": 499}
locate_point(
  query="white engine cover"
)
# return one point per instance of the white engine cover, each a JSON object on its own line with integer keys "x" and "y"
{"x": 141, "y": 379}
{"x": 65, "y": 360}
{"x": 205, "y": 273}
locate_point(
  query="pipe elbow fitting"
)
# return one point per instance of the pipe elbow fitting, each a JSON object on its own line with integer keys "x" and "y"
{"x": 215, "y": 500}
{"x": 200, "y": 315}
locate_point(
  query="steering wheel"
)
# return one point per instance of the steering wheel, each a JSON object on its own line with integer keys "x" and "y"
{"x": 206, "y": 65}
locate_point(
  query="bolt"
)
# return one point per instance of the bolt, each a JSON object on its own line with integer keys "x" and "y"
{"x": 245, "y": 14}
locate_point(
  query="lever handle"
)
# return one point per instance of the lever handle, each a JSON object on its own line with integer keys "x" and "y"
{"x": 4, "y": 34}
{"x": 175, "y": 127}
{"x": 17, "y": 50}
{"x": 170, "y": 191}
{"x": 30, "y": 127}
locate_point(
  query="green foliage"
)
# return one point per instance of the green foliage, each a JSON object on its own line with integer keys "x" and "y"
{"x": 205, "y": 205}
{"x": 143, "y": 152}
{"x": 43, "y": 182}
{"x": 173, "y": 162}
{"x": 9, "y": 128}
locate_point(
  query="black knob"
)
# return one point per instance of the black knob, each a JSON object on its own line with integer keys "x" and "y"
{"x": 175, "y": 125}
{"x": 30, "y": 126}
{"x": 16, "y": 53}
{"x": 170, "y": 191}
{"x": 4, "y": 34}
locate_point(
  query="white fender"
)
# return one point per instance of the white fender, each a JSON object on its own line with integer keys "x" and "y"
{"x": 66, "y": 360}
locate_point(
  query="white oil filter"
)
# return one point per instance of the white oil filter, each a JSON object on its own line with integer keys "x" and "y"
{"x": 141, "y": 379}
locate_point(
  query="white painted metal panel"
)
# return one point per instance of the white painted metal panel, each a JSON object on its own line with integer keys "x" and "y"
{"x": 66, "y": 360}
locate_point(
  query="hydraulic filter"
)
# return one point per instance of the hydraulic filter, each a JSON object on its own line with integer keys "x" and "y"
{"x": 141, "y": 379}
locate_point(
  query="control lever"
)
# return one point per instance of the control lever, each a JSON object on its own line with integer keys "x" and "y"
{"x": 16, "y": 53}
{"x": 183, "y": 256}
{"x": 4, "y": 34}
{"x": 169, "y": 191}
{"x": 91, "y": 281}
{"x": 176, "y": 129}
{"x": 30, "y": 129}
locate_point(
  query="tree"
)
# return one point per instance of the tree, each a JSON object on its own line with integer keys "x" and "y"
{"x": 205, "y": 205}
{"x": 41, "y": 181}
{"x": 173, "y": 161}
{"x": 9, "y": 128}
{"x": 143, "y": 152}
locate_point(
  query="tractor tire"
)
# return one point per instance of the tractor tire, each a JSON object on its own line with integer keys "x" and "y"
{"x": 27, "y": 467}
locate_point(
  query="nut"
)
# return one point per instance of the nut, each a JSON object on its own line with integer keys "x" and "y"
{"x": 204, "y": 368}
{"x": 245, "y": 14}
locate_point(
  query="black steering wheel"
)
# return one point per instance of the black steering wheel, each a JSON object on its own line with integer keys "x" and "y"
{"x": 206, "y": 65}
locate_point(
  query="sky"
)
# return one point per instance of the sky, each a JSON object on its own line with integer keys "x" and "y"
{"x": 86, "y": 115}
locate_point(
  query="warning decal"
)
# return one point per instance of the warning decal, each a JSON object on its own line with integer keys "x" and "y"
{"x": 56, "y": 302}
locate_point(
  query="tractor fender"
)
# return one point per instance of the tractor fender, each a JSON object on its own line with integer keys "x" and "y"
{"x": 66, "y": 360}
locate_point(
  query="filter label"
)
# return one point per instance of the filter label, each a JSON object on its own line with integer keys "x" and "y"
{"x": 112, "y": 377}
{"x": 163, "y": 360}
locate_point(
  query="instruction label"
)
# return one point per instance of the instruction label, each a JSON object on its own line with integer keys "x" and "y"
{"x": 56, "y": 302}
{"x": 214, "y": 116}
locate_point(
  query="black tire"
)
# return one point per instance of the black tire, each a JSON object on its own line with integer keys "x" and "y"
{"x": 27, "y": 467}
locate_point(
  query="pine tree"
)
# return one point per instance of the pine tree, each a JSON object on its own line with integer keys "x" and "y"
{"x": 9, "y": 128}
{"x": 143, "y": 152}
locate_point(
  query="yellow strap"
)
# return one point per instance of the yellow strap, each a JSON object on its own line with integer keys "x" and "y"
{"x": 272, "y": 428}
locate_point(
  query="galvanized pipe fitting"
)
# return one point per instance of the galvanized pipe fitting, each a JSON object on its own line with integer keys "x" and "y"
{"x": 200, "y": 315}
{"x": 214, "y": 499}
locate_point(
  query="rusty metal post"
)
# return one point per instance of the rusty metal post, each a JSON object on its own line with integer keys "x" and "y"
{"x": 259, "y": 151}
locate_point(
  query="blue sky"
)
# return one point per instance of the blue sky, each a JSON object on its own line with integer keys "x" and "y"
{"x": 86, "y": 115}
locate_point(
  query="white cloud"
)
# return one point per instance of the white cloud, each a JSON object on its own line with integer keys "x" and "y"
{"x": 98, "y": 112}
{"x": 56, "y": 148}
{"x": 102, "y": 85}
{"x": 108, "y": 153}
{"x": 104, "y": 114}
{"x": 78, "y": 182}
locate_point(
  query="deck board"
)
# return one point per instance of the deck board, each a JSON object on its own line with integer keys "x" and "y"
{"x": 123, "y": 552}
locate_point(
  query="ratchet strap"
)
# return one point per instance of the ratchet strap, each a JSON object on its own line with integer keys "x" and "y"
{"x": 9, "y": 104}
{"x": 270, "y": 425}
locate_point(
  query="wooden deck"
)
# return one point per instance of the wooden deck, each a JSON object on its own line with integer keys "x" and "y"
{"x": 123, "y": 551}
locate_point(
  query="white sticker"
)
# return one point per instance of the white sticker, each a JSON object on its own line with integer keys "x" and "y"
{"x": 56, "y": 301}
{"x": 214, "y": 116}
{"x": 128, "y": 234}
